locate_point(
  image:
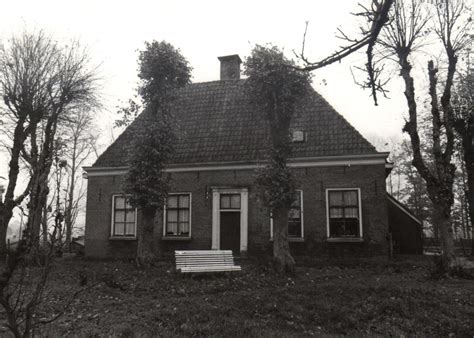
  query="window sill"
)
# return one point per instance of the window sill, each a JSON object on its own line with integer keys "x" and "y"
{"x": 345, "y": 240}
{"x": 292, "y": 239}
{"x": 123, "y": 238}
{"x": 176, "y": 238}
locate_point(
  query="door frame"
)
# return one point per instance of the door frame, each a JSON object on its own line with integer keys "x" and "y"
{"x": 216, "y": 216}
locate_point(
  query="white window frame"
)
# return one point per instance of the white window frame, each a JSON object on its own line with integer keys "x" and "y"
{"x": 361, "y": 234}
{"x": 165, "y": 236}
{"x": 295, "y": 239}
{"x": 112, "y": 223}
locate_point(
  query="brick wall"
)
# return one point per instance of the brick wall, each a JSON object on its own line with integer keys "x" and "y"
{"x": 313, "y": 181}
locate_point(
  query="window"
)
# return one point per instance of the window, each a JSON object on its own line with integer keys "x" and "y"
{"x": 178, "y": 215}
{"x": 295, "y": 218}
{"x": 123, "y": 217}
{"x": 230, "y": 201}
{"x": 344, "y": 216}
{"x": 295, "y": 228}
{"x": 298, "y": 136}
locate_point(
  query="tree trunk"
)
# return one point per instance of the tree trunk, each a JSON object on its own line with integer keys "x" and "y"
{"x": 44, "y": 225}
{"x": 69, "y": 204}
{"x": 38, "y": 197}
{"x": 443, "y": 220}
{"x": 467, "y": 134}
{"x": 282, "y": 258}
{"x": 68, "y": 224}
{"x": 146, "y": 253}
{"x": 469, "y": 162}
{"x": 5, "y": 217}
{"x": 3, "y": 229}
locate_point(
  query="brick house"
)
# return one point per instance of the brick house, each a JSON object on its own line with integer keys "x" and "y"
{"x": 341, "y": 202}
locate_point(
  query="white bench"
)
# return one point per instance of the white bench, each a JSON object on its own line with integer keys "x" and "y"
{"x": 205, "y": 261}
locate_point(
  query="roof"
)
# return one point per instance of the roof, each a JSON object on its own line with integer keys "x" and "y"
{"x": 215, "y": 122}
{"x": 403, "y": 208}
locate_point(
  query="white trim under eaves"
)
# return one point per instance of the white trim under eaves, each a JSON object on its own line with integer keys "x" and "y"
{"x": 329, "y": 161}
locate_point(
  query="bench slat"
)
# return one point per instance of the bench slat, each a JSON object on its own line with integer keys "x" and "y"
{"x": 205, "y": 261}
{"x": 229, "y": 268}
{"x": 203, "y": 252}
{"x": 206, "y": 264}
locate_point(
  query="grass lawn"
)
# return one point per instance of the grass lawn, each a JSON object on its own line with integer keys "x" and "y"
{"x": 353, "y": 297}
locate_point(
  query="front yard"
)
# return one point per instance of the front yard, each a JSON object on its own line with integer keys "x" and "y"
{"x": 336, "y": 297}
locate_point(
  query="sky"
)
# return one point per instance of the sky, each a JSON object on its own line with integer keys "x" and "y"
{"x": 113, "y": 31}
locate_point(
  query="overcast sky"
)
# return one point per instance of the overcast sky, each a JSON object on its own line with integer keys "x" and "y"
{"x": 113, "y": 31}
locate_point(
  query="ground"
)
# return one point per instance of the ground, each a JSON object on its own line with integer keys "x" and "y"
{"x": 350, "y": 297}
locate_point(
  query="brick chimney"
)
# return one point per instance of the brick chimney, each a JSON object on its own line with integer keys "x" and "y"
{"x": 230, "y": 67}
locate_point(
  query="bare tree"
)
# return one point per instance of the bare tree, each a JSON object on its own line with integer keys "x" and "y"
{"x": 464, "y": 124}
{"x": 79, "y": 139}
{"x": 41, "y": 82}
{"x": 399, "y": 28}
{"x": 410, "y": 25}
{"x": 23, "y": 283}
{"x": 376, "y": 16}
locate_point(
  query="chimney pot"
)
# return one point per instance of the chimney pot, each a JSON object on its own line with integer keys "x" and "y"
{"x": 230, "y": 67}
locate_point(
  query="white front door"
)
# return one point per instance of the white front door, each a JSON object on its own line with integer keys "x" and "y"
{"x": 227, "y": 205}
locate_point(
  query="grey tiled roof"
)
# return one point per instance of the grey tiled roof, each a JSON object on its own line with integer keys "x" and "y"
{"x": 216, "y": 123}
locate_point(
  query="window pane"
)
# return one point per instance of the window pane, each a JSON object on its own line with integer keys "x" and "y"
{"x": 351, "y": 213}
{"x": 172, "y": 228}
{"x": 184, "y": 228}
{"x": 119, "y": 228}
{"x": 343, "y": 227}
{"x": 297, "y": 200}
{"x": 127, "y": 203}
{"x": 350, "y": 197}
{"x": 294, "y": 214}
{"x": 225, "y": 202}
{"x": 119, "y": 202}
{"x": 130, "y": 216}
{"x": 130, "y": 229}
{"x": 335, "y": 198}
{"x": 351, "y": 227}
{"x": 172, "y": 215}
{"x": 230, "y": 201}
{"x": 172, "y": 201}
{"x": 336, "y": 213}
{"x": 235, "y": 201}
{"x": 184, "y": 201}
{"x": 336, "y": 227}
{"x": 119, "y": 216}
{"x": 294, "y": 228}
{"x": 184, "y": 215}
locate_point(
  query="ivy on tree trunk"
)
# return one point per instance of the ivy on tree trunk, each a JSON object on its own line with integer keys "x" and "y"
{"x": 146, "y": 249}
{"x": 275, "y": 86}
{"x": 162, "y": 70}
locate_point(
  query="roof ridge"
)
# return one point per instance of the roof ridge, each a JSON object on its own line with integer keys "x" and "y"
{"x": 216, "y": 81}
